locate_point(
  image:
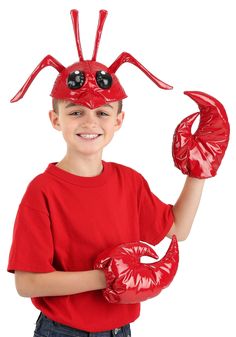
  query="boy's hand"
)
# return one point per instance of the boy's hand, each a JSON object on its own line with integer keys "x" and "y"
{"x": 129, "y": 280}
{"x": 199, "y": 155}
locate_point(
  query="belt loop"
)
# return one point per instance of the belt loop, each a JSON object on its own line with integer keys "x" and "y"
{"x": 116, "y": 331}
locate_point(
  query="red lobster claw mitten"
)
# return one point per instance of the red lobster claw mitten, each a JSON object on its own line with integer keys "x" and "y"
{"x": 199, "y": 155}
{"x": 129, "y": 280}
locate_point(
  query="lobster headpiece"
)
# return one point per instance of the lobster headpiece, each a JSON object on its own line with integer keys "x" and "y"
{"x": 88, "y": 83}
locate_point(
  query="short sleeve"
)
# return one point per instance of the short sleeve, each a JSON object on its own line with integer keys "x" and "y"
{"x": 32, "y": 243}
{"x": 155, "y": 217}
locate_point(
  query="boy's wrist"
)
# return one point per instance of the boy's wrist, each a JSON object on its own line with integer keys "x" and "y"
{"x": 101, "y": 279}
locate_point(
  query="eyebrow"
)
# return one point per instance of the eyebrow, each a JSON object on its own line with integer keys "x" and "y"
{"x": 71, "y": 104}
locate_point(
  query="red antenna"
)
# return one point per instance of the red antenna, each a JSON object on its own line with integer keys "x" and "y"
{"x": 102, "y": 19}
{"x": 75, "y": 21}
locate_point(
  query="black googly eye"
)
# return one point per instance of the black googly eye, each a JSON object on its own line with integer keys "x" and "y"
{"x": 104, "y": 80}
{"x": 76, "y": 79}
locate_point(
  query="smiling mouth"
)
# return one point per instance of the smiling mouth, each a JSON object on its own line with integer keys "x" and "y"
{"x": 89, "y": 136}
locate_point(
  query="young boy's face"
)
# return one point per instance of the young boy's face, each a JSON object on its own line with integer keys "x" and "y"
{"x": 86, "y": 131}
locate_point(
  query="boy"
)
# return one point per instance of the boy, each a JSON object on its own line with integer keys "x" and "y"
{"x": 82, "y": 172}
{"x": 79, "y": 207}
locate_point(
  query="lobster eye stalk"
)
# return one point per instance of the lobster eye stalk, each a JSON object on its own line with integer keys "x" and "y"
{"x": 101, "y": 21}
{"x": 75, "y": 22}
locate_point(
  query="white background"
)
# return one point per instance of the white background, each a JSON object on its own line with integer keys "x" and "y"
{"x": 188, "y": 44}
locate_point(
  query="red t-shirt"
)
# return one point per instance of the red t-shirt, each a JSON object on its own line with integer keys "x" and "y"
{"x": 64, "y": 221}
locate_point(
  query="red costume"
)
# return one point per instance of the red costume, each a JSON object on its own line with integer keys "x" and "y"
{"x": 133, "y": 214}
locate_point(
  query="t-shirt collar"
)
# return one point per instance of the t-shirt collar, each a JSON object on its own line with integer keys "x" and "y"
{"x": 79, "y": 180}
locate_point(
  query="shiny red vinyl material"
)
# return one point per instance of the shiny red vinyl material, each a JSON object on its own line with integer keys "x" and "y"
{"x": 88, "y": 82}
{"x": 200, "y": 154}
{"x": 129, "y": 280}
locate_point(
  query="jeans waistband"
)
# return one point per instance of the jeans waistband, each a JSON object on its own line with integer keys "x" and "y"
{"x": 44, "y": 324}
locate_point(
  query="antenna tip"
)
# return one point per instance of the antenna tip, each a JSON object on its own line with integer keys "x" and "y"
{"x": 103, "y": 11}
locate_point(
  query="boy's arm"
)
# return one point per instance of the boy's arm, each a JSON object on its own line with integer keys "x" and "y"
{"x": 58, "y": 283}
{"x": 186, "y": 207}
{"x": 198, "y": 155}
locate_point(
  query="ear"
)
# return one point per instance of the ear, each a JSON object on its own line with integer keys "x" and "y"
{"x": 54, "y": 118}
{"x": 119, "y": 120}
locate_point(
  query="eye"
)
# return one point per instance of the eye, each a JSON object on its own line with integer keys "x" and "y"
{"x": 102, "y": 113}
{"x": 104, "y": 80}
{"x": 75, "y": 113}
{"x": 76, "y": 79}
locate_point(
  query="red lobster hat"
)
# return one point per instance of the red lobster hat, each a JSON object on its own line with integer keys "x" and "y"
{"x": 88, "y": 83}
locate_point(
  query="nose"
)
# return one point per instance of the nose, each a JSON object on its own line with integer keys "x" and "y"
{"x": 89, "y": 121}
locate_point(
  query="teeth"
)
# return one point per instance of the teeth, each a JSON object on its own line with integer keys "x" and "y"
{"x": 89, "y": 136}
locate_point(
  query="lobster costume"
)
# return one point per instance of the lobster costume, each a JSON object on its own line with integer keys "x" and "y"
{"x": 88, "y": 83}
{"x": 92, "y": 84}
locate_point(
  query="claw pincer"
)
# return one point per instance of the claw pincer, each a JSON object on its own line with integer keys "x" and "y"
{"x": 199, "y": 155}
{"x": 166, "y": 268}
{"x": 129, "y": 280}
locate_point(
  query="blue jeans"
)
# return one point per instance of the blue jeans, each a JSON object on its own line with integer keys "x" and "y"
{"x": 48, "y": 328}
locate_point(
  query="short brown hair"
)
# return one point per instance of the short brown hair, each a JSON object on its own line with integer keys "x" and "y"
{"x": 56, "y": 101}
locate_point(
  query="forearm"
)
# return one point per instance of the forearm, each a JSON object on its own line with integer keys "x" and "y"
{"x": 58, "y": 283}
{"x": 186, "y": 207}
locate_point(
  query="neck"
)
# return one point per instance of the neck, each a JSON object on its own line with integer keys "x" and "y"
{"x": 84, "y": 167}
